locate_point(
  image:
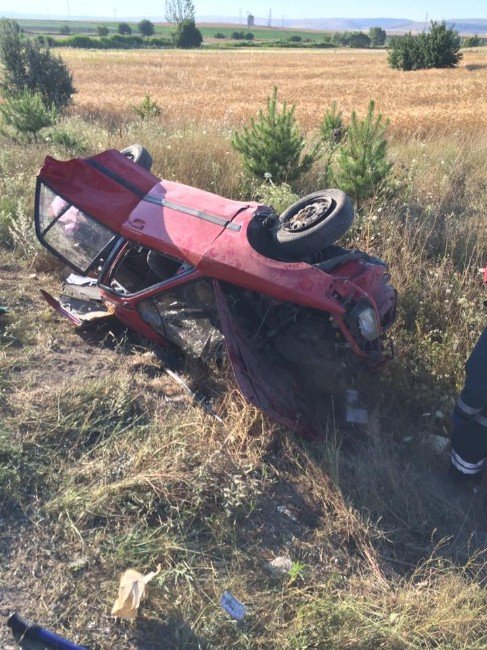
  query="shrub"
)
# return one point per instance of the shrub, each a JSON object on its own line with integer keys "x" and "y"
{"x": 147, "y": 108}
{"x": 471, "y": 41}
{"x": 279, "y": 197}
{"x": 439, "y": 48}
{"x": 363, "y": 167}
{"x": 27, "y": 114}
{"x": 29, "y": 66}
{"x": 187, "y": 35}
{"x": 358, "y": 39}
{"x": 377, "y": 36}
{"x": 124, "y": 29}
{"x": 102, "y": 30}
{"x": 65, "y": 30}
{"x": 295, "y": 39}
{"x": 146, "y": 27}
{"x": 249, "y": 36}
{"x": 219, "y": 35}
{"x": 238, "y": 36}
{"x": 273, "y": 144}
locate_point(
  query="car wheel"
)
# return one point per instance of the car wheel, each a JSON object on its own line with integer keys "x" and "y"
{"x": 313, "y": 223}
{"x": 139, "y": 155}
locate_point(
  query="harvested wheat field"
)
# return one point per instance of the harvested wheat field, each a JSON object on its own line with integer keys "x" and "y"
{"x": 228, "y": 87}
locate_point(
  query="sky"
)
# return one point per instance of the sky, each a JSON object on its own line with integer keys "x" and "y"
{"x": 410, "y": 9}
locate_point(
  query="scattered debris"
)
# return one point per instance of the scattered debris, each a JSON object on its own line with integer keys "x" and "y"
{"x": 438, "y": 444}
{"x": 131, "y": 592}
{"x": 3, "y": 309}
{"x": 232, "y": 606}
{"x": 284, "y": 510}
{"x": 280, "y": 565}
{"x": 26, "y": 629}
{"x": 356, "y": 410}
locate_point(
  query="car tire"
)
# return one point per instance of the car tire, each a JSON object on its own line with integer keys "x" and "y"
{"x": 302, "y": 232}
{"x": 139, "y": 155}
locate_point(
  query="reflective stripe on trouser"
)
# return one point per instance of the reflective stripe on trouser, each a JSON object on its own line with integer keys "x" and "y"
{"x": 469, "y": 442}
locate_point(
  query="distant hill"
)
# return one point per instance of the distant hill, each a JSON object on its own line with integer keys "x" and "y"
{"x": 392, "y": 25}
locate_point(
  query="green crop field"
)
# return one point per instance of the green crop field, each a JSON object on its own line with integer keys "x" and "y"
{"x": 54, "y": 27}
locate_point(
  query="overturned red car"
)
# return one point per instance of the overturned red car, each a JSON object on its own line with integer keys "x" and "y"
{"x": 187, "y": 268}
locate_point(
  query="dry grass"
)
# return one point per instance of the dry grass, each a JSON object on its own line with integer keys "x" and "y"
{"x": 227, "y": 87}
{"x": 101, "y": 469}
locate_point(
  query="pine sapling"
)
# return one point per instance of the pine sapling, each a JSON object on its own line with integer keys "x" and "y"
{"x": 273, "y": 144}
{"x": 363, "y": 168}
{"x": 27, "y": 114}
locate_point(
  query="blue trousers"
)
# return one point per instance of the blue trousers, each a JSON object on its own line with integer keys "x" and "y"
{"x": 469, "y": 438}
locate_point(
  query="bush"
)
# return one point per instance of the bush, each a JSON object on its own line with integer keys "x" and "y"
{"x": 146, "y": 27}
{"x": 249, "y": 36}
{"x": 65, "y": 30}
{"x": 363, "y": 167}
{"x": 238, "y": 36}
{"x": 295, "y": 39}
{"x": 102, "y": 30}
{"x": 147, "y": 108}
{"x": 377, "y": 36}
{"x": 187, "y": 35}
{"x": 219, "y": 35}
{"x": 273, "y": 144}
{"x": 471, "y": 41}
{"x": 358, "y": 39}
{"x": 29, "y": 66}
{"x": 439, "y": 48}
{"x": 124, "y": 29}
{"x": 27, "y": 114}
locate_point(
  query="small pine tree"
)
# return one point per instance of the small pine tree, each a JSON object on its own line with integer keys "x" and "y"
{"x": 27, "y": 114}
{"x": 332, "y": 132}
{"x": 147, "y": 108}
{"x": 363, "y": 167}
{"x": 273, "y": 144}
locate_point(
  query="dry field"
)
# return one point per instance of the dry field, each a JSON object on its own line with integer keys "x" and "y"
{"x": 228, "y": 87}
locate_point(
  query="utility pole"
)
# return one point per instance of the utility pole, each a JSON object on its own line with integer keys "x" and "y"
{"x": 67, "y": 3}
{"x": 239, "y": 16}
{"x": 269, "y": 18}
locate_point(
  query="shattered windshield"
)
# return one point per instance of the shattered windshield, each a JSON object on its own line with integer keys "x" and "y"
{"x": 75, "y": 236}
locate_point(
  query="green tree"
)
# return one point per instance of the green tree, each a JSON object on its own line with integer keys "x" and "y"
{"x": 146, "y": 27}
{"x": 65, "y": 30}
{"x": 471, "y": 41}
{"x": 363, "y": 167}
{"x": 377, "y": 36}
{"x": 124, "y": 29}
{"x": 29, "y": 65}
{"x": 187, "y": 35}
{"x": 273, "y": 144}
{"x": 102, "y": 30}
{"x": 179, "y": 11}
{"x": 332, "y": 133}
{"x": 439, "y": 48}
{"x": 358, "y": 39}
{"x": 27, "y": 113}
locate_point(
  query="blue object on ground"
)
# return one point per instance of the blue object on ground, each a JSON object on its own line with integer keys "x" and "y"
{"x": 29, "y": 630}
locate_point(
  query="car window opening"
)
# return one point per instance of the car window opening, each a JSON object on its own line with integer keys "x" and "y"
{"x": 141, "y": 268}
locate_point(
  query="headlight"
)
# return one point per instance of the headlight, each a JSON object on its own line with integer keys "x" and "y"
{"x": 368, "y": 324}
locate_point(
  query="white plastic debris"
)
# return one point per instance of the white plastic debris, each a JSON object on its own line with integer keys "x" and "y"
{"x": 356, "y": 412}
{"x": 232, "y": 606}
{"x": 280, "y": 565}
{"x": 286, "y": 512}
